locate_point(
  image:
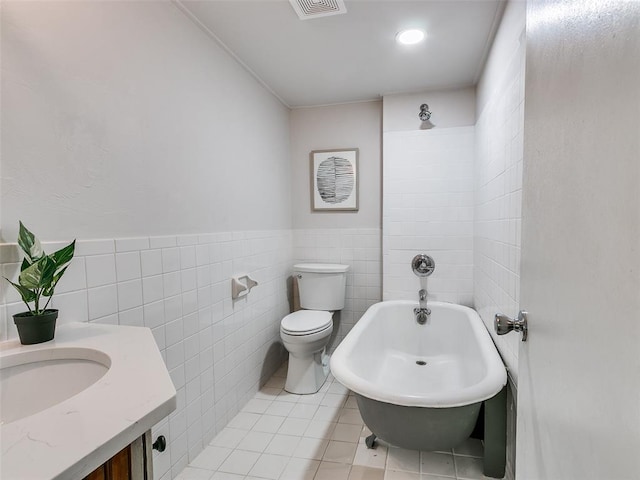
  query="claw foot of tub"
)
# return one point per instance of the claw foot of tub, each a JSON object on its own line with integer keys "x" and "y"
{"x": 370, "y": 441}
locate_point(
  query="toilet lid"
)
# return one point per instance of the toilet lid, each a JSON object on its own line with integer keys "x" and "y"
{"x": 306, "y": 322}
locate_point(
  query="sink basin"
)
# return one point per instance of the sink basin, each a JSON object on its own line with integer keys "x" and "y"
{"x": 70, "y": 405}
{"x": 33, "y": 381}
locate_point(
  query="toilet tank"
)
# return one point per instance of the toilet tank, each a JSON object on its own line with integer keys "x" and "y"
{"x": 321, "y": 286}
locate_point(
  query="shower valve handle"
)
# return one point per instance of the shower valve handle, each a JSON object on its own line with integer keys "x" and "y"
{"x": 423, "y": 265}
{"x": 504, "y": 324}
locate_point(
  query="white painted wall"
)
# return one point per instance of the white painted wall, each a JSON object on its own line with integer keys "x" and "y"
{"x": 353, "y": 238}
{"x": 498, "y": 179}
{"x": 449, "y": 108}
{"x": 125, "y": 126}
{"x": 352, "y": 125}
{"x": 124, "y": 119}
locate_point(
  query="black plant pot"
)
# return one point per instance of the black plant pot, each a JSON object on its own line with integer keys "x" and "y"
{"x": 34, "y": 329}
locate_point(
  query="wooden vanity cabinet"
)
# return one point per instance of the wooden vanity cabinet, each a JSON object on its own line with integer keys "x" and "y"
{"x": 133, "y": 462}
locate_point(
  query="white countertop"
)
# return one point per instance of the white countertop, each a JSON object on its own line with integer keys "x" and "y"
{"x": 70, "y": 439}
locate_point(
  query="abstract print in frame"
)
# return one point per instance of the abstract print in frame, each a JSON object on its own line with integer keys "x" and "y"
{"x": 334, "y": 180}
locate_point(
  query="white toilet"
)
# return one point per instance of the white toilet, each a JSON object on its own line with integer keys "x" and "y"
{"x": 305, "y": 333}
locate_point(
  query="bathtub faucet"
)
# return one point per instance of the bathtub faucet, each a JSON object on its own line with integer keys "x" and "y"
{"x": 422, "y": 312}
{"x": 423, "y": 298}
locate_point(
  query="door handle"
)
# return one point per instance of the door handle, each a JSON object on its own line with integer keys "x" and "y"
{"x": 504, "y": 324}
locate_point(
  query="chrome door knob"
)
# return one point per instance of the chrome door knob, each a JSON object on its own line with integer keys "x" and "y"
{"x": 504, "y": 324}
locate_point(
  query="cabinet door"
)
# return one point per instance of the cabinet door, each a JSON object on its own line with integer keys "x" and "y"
{"x": 99, "y": 473}
{"x": 134, "y": 462}
{"x": 117, "y": 467}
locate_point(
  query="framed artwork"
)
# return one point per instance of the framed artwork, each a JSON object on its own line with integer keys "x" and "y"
{"x": 334, "y": 180}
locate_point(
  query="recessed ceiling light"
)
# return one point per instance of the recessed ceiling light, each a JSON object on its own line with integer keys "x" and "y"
{"x": 410, "y": 37}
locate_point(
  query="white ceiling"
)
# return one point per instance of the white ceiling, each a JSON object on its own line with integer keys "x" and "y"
{"x": 353, "y": 57}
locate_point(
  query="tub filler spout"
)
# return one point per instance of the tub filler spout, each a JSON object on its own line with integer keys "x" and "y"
{"x": 422, "y": 294}
{"x": 422, "y": 312}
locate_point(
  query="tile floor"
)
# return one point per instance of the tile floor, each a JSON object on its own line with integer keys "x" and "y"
{"x": 281, "y": 436}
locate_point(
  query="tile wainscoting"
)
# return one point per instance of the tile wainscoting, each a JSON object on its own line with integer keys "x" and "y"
{"x": 360, "y": 248}
{"x": 498, "y": 204}
{"x": 218, "y": 351}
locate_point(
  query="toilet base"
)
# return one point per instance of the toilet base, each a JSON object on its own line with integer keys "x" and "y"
{"x": 307, "y": 374}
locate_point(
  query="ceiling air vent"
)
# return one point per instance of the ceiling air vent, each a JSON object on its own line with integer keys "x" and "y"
{"x": 307, "y": 9}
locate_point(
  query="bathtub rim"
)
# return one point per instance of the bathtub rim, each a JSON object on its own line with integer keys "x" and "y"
{"x": 488, "y": 387}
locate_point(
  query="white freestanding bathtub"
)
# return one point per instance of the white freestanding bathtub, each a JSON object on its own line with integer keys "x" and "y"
{"x": 420, "y": 386}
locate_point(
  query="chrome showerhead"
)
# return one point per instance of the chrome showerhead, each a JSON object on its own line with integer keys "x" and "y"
{"x": 424, "y": 114}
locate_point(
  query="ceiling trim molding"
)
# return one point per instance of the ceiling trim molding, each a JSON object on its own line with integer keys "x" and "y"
{"x": 185, "y": 10}
{"x": 337, "y": 104}
{"x": 438, "y": 88}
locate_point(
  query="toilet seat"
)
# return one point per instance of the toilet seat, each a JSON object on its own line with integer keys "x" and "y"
{"x": 306, "y": 322}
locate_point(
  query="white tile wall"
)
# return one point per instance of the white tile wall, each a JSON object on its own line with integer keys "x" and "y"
{"x": 428, "y": 208}
{"x": 361, "y": 250}
{"x": 498, "y": 202}
{"x": 101, "y": 270}
{"x": 217, "y": 350}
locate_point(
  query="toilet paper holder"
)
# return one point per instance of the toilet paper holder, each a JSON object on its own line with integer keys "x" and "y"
{"x": 241, "y": 286}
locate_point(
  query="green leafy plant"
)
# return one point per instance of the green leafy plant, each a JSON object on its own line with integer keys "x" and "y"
{"x": 39, "y": 272}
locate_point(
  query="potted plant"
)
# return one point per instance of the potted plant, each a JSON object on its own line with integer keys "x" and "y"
{"x": 39, "y": 275}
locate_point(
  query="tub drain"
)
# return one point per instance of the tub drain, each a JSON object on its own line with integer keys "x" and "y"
{"x": 420, "y": 362}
